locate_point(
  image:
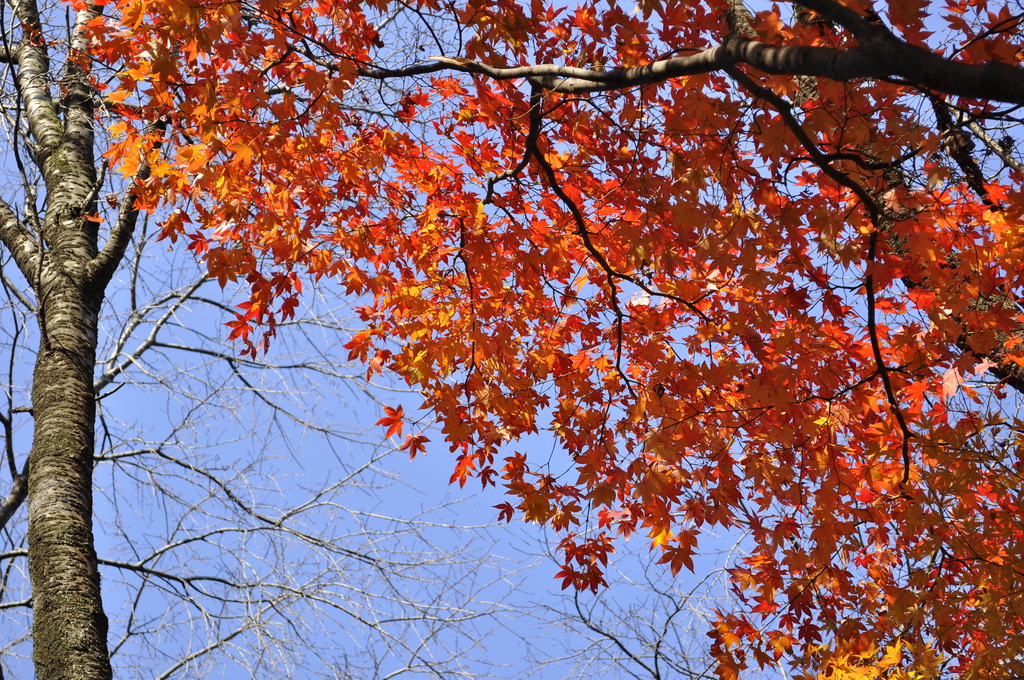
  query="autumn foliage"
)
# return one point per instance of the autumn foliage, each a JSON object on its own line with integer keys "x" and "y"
{"x": 770, "y": 280}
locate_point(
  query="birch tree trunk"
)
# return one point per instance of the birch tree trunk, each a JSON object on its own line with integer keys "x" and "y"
{"x": 70, "y": 628}
{"x": 56, "y": 246}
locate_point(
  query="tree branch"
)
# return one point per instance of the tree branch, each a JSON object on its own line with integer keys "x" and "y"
{"x": 993, "y": 145}
{"x": 33, "y": 82}
{"x": 78, "y": 93}
{"x": 17, "y": 495}
{"x": 103, "y": 266}
{"x": 880, "y": 54}
{"x": 19, "y": 240}
{"x": 872, "y": 209}
{"x": 114, "y": 368}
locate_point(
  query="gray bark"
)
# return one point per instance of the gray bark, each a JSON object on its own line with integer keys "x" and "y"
{"x": 69, "y": 626}
{"x": 59, "y": 254}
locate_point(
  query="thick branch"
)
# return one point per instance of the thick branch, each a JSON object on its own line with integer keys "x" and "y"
{"x": 19, "y": 240}
{"x": 17, "y": 495}
{"x": 879, "y": 55}
{"x": 79, "y": 94}
{"x": 1008, "y": 372}
{"x": 33, "y": 82}
{"x": 994, "y": 146}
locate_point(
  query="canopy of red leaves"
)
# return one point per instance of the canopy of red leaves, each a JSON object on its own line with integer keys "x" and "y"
{"x": 745, "y": 295}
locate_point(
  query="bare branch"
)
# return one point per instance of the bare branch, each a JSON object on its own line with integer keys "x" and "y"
{"x": 114, "y": 370}
{"x": 15, "y": 605}
{"x": 16, "y": 291}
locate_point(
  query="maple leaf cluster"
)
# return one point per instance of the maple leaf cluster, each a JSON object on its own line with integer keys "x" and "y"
{"x": 784, "y": 301}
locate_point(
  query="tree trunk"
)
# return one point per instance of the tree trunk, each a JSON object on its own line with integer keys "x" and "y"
{"x": 70, "y": 628}
{"x": 57, "y": 250}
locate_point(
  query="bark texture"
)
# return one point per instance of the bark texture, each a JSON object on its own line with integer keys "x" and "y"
{"x": 70, "y": 628}
{"x": 56, "y": 247}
